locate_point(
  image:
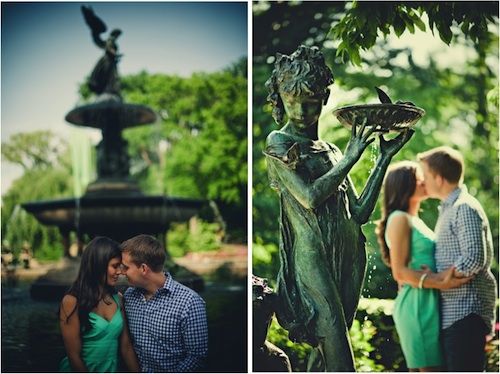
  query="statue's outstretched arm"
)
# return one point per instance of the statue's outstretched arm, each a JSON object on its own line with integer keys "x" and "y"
{"x": 362, "y": 207}
{"x": 312, "y": 193}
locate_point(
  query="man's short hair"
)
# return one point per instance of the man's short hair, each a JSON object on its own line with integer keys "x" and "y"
{"x": 444, "y": 161}
{"x": 145, "y": 249}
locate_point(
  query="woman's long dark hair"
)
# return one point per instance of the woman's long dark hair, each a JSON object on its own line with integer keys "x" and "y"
{"x": 399, "y": 185}
{"x": 92, "y": 276}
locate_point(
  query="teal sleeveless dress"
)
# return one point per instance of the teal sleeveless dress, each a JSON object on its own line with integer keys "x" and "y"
{"x": 100, "y": 343}
{"x": 416, "y": 311}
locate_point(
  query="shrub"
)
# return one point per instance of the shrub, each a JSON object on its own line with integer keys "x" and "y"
{"x": 200, "y": 237}
{"x": 361, "y": 338}
{"x": 374, "y": 340}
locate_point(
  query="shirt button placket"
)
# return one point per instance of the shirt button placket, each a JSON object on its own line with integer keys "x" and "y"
{"x": 143, "y": 322}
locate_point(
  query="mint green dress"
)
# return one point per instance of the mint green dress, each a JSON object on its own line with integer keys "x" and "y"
{"x": 416, "y": 311}
{"x": 100, "y": 343}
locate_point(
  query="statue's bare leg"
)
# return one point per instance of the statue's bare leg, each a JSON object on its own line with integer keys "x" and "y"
{"x": 352, "y": 281}
{"x": 331, "y": 329}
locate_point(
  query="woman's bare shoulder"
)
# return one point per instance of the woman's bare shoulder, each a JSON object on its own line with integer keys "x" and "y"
{"x": 69, "y": 301}
{"x": 398, "y": 220}
{"x": 68, "y": 305}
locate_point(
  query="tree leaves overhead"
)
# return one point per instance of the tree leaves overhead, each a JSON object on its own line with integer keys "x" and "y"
{"x": 364, "y": 21}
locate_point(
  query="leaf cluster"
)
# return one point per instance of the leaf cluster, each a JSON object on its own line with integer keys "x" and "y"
{"x": 364, "y": 21}
{"x": 35, "y": 150}
{"x": 47, "y": 174}
{"x": 198, "y": 146}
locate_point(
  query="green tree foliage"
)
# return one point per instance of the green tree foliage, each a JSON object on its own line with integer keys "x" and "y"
{"x": 198, "y": 147}
{"x": 181, "y": 239}
{"x": 35, "y": 150}
{"x": 45, "y": 159}
{"x": 459, "y": 103}
{"x": 363, "y": 21}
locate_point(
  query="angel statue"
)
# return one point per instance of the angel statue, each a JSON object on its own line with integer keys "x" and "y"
{"x": 104, "y": 77}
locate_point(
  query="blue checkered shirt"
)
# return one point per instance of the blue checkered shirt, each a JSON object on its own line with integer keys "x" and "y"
{"x": 169, "y": 331}
{"x": 463, "y": 239}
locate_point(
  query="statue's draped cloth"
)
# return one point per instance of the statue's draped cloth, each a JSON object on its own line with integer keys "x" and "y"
{"x": 104, "y": 76}
{"x": 322, "y": 250}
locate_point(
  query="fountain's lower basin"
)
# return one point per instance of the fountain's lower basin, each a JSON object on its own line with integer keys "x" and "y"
{"x": 118, "y": 217}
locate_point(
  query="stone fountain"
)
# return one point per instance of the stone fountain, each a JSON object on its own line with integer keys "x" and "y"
{"x": 113, "y": 205}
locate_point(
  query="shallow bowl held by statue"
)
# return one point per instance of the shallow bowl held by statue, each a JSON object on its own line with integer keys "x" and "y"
{"x": 385, "y": 117}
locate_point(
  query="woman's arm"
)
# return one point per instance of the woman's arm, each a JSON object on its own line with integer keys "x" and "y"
{"x": 399, "y": 232}
{"x": 70, "y": 330}
{"x": 126, "y": 347}
{"x": 312, "y": 193}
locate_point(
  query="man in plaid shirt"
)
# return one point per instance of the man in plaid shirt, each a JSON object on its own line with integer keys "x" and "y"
{"x": 167, "y": 320}
{"x": 463, "y": 240}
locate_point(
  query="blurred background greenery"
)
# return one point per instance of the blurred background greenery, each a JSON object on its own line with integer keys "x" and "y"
{"x": 441, "y": 56}
{"x": 196, "y": 149}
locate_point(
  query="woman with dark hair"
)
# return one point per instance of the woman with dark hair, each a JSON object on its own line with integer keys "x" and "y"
{"x": 407, "y": 247}
{"x": 322, "y": 248}
{"x": 92, "y": 320}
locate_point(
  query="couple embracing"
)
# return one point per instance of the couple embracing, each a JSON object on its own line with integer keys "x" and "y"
{"x": 158, "y": 325}
{"x": 445, "y": 306}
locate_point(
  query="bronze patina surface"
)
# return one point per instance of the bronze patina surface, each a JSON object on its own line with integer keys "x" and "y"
{"x": 322, "y": 248}
{"x": 384, "y": 117}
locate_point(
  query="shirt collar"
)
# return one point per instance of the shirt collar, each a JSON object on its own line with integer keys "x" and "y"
{"x": 168, "y": 286}
{"x": 169, "y": 283}
{"x": 453, "y": 196}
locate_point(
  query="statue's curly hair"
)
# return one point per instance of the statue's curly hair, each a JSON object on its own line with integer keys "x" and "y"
{"x": 303, "y": 73}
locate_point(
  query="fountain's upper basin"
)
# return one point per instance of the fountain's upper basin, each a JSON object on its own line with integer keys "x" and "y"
{"x": 118, "y": 217}
{"x": 116, "y": 113}
{"x": 384, "y": 117}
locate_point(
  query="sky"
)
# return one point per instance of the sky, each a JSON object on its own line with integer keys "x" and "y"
{"x": 47, "y": 51}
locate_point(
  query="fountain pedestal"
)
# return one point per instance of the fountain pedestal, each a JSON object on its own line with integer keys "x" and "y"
{"x": 113, "y": 205}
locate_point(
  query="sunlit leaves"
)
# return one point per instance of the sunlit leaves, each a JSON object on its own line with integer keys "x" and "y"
{"x": 203, "y": 131}
{"x": 362, "y": 22}
{"x": 34, "y": 150}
